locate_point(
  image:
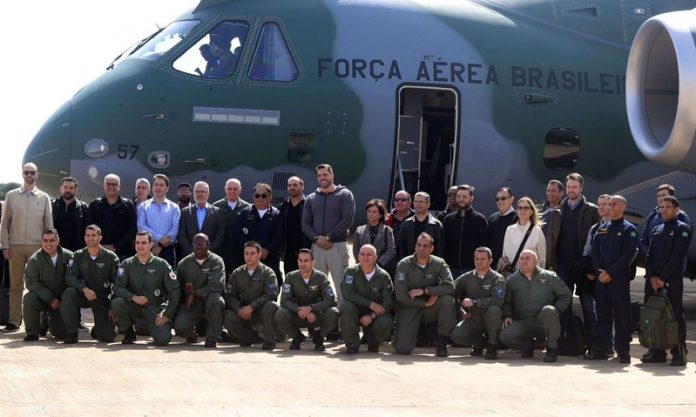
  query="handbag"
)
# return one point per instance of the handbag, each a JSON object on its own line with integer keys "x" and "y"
{"x": 505, "y": 267}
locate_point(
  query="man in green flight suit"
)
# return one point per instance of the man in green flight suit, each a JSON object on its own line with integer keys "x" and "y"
{"x": 145, "y": 287}
{"x": 424, "y": 289}
{"x": 368, "y": 300}
{"x": 534, "y": 300}
{"x": 481, "y": 293}
{"x": 45, "y": 281}
{"x": 307, "y": 300}
{"x": 89, "y": 281}
{"x": 251, "y": 294}
{"x": 201, "y": 275}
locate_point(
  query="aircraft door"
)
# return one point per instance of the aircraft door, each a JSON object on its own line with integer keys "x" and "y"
{"x": 426, "y": 142}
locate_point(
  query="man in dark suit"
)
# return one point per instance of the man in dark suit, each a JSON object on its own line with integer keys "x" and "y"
{"x": 231, "y": 206}
{"x": 201, "y": 217}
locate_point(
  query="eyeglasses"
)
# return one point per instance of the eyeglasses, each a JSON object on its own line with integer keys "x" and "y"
{"x": 29, "y": 172}
{"x": 523, "y": 208}
{"x": 501, "y": 198}
{"x": 400, "y": 200}
{"x": 260, "y": 195}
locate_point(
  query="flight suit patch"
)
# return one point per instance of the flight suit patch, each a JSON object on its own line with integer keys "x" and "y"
{"x": 107, "y": 284}
{"x": 313, "y": 287}
{"x": 151, "y": 271}
{"x": 685, "y": 234}
{"x": 633, "y": 234}
{"x": 157, "y": 292}
{"x": 400, "y": 276}
{"x": 272, "y": 288}
{"x": 499, "y": 293}
{"x": 120, "y": 272}
{"x": 329, "y": 292}
{"x": 543, "y": 281}
{"x": 172, "y": 276}
{"x": 100, "y": 264}
{"x": 349, "y": 279}
{"x": 429, "y": 276}
{"x": 70, "y": 263}
{"x": 486, "y": 287}
{"x": 286, "y": 288}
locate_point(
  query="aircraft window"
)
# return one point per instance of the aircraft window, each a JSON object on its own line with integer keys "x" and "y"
{"x": 159, "y": 159}
{"x": 272, "y": 60}
{"x": 216, "y": 55}
{"x": 165, "y": 40}
{"x": 562, "y": 148}
{"x": 96, "y": 148}
{"x": 302, "y": 147}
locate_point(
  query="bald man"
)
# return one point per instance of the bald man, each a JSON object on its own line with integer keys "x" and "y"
{"x": 534, "y": 300}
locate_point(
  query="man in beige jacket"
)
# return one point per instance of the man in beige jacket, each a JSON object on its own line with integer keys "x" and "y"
{"x": 26, "y": 214}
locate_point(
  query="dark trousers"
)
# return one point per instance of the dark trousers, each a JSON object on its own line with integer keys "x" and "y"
{"x": 587, "y": 302}
{"x": 169, "y": 255}
{"x": 614, "y": 302}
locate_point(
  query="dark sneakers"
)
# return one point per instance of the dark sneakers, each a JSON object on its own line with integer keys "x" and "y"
{"x": 31, "y": 338}
{"x": 70, "y": 339}
{"x": 297, "y": 341}
{"x": 592, "y": 355}
{"x": 624, "y": 358}
{"x": 351, "y": 350}
{"x": 210, "y": 344}
{"x": 192, "y": 339}
{"x": 268, "y": 346}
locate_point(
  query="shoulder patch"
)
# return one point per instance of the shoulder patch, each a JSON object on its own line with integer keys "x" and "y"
{"x": 330, "y": 292}
{"x": 633, "y": 234}
{"x": 172, "y": 276}
{"x": 120, "y": 272}
{"x": 70, "y": 263}
{"x": 499, "y": 293}
{"x": 685, "y": 234}
{"x": 400, "y": 276}
{"x": 286, "y": 288}
{"x": 349, "y": 279}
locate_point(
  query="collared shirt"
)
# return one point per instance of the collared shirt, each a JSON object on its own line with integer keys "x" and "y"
{"x": 232, "y": 204}
{"x": 159, "y": 219}
{"x": 200, "y": 216}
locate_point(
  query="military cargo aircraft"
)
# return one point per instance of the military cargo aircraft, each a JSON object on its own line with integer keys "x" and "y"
{"x": 413, "y": 94}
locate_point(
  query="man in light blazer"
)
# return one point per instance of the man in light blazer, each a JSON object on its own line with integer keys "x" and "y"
{"x": 201, "y": 217}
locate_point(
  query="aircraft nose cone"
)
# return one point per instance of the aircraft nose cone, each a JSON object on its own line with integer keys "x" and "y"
{"x": 51, "y": 148}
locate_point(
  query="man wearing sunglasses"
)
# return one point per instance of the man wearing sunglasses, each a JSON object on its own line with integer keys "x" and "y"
{"x": 262, "y": 223}
{"x": 26, "y": 214}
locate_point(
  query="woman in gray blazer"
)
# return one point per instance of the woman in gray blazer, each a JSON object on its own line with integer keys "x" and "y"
{"x": 377, "y": 234}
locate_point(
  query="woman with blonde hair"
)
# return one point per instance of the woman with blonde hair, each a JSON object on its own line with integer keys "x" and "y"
{"x": 525, "y": 234}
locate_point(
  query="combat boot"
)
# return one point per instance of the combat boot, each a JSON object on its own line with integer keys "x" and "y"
{"x": 476, "y": 350}
{"x": 318, "y": 341}
{"x": 491, "y": 352}
{"x": 70, "y": 339}
{"x": 678, "y": 356}
{"x": 297, "y": 341}
{"x": 527, "y": 350}
{"x": 654, "y": 356}
{"x": 129, "y": 336}
{"x": 441, "y": 351}
{"x": 551, "y": 355}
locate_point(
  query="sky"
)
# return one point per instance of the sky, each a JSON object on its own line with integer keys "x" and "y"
{"x": 52, "y": 48}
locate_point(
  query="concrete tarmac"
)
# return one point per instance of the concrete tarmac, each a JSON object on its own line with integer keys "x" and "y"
{"x": 47, "y": 378}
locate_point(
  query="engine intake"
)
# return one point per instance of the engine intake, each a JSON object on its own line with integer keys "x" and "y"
{"x": 661, "y": 89}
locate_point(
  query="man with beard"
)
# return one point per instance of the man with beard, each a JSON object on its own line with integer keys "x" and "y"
{"x": 183, "y": 193}
{"x": 464, "y": 231}
{"x": 26, "y": 214}
{"x": 421, "y": 221}
{"x": 89, "y": 279}
{"x": 69, "y": 215}
{"x": 291, "y": 213}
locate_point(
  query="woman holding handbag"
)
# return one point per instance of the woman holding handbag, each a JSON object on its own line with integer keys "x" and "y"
{"x": 525, "y": 234}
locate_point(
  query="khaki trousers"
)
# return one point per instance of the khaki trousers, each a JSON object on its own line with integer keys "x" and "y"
{"x": 20, "y": 256}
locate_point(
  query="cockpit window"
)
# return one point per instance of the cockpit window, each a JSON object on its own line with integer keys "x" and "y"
{"x": 216, "y": 55}
{"x": 165, "y": 40}
{"x": 272, "y": 60}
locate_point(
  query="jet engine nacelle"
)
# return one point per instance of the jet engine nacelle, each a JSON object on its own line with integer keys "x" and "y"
{"x": 661, "y": 89}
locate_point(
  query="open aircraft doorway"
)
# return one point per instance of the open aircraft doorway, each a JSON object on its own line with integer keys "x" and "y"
{"x": 426, "y": 144}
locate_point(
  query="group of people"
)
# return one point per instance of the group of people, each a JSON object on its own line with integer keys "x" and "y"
{"x": 515, "y": 270}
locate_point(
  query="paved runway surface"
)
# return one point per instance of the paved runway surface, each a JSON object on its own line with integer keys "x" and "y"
{"x": 48, "y": 379}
